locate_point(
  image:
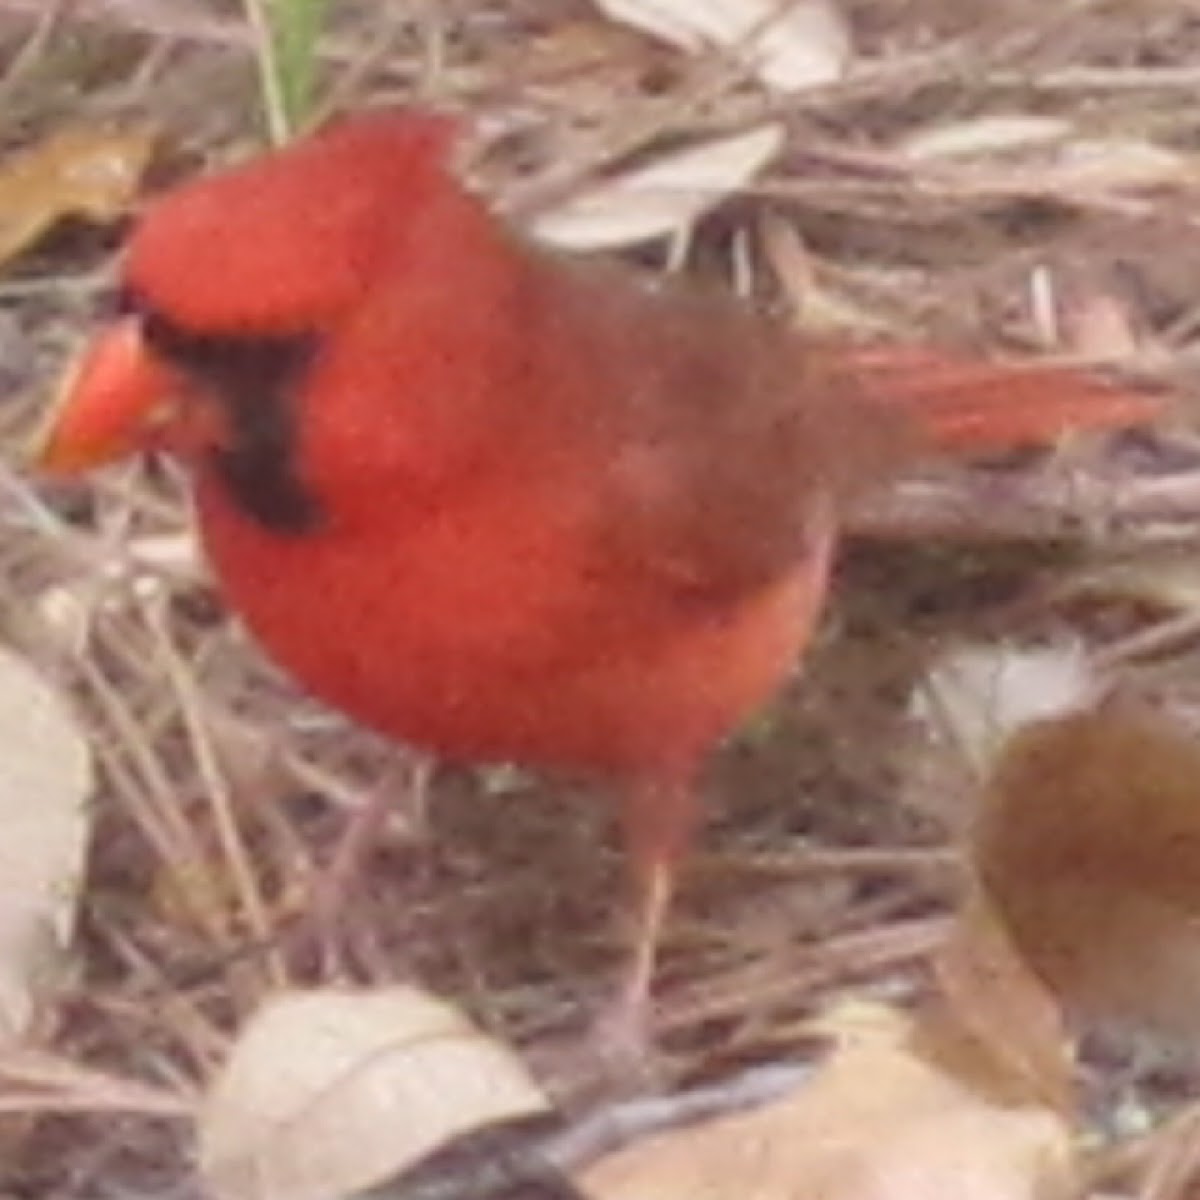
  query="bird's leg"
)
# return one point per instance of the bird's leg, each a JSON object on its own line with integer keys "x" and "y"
{"x": 336, "y": 881}
{"x": 658, "y": 818}
{"x": 653, "y": 901}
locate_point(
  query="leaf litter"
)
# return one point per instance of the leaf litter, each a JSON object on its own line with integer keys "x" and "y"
{"x": 1023, "y": 182}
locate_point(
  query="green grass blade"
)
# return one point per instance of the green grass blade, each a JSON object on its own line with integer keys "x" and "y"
{"x": 288, "y": 33}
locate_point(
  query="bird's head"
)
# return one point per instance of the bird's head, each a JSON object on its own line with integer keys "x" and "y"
{"x": 230, "y": 281}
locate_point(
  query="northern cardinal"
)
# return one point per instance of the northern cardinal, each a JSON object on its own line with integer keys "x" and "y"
{"x": 495, "y": 502}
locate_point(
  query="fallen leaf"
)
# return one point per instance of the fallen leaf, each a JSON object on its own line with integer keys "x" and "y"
{"x": 1087, "y": 165}
{"x": 659, "y": 199}
{"x": 975, "y": 696}
{"x": 786, "y": 44}
{"x": 881, "y": 1120}
{"x": 1014, "y": 1037}
{"x": 77, "y": 171}
{"x": 174, "y": 554}
{"x": 1164, "y": 577}
{"x": 45, "y": 783}
{"x": 328, "y": 1091}
{"x": 1028, "y": 154}
{"x": 996, "y": 133}
{"x": 1087, "y": 844}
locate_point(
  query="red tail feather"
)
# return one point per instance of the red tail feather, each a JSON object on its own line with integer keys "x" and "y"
{"x": 969, "y": 405}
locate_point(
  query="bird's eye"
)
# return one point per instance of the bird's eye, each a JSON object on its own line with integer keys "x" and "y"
{"x": 116, "y": 302}
{"x": 171, "y": 340}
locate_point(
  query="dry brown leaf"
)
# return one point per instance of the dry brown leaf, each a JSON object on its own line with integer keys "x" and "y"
{"x": 880, "y": 1121}
{"x": 786, "y": 44}
{"x": 45, "y": 785}
{"x": 328, "y": 1091}
{"x": 1088, "y": 845}
{"x": 1011, "y": 1032}
{"x": 659, "y": 199}
{"x": 77, "y": 171}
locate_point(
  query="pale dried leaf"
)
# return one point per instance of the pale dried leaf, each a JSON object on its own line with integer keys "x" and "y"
{"x": 328, "y": 1091}
{"x": 660, "y": 199}
{"x": 786, "y": 44}
{"x": 175, "y": 554}
{"x": 45, "y": 784}
{"x": 878, "y": 1122}
{"x": 1162, "y": 576}
{"x": 997, "y": 133}
{"x": 1115, "y": 164}
{"x": 975, "y": 696}
{"x": 1054, "y": 158}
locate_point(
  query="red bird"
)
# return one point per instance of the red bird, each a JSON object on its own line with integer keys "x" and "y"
{"x": 501, "y": 504}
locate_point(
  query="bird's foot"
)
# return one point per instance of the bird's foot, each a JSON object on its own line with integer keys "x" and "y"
{"x": 621, "y": 1043}
{"x": 318, "y": 934}
{"x": 322, "y": 930}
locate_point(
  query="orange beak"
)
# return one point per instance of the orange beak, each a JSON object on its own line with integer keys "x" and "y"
{"x": 112, "y": 403}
